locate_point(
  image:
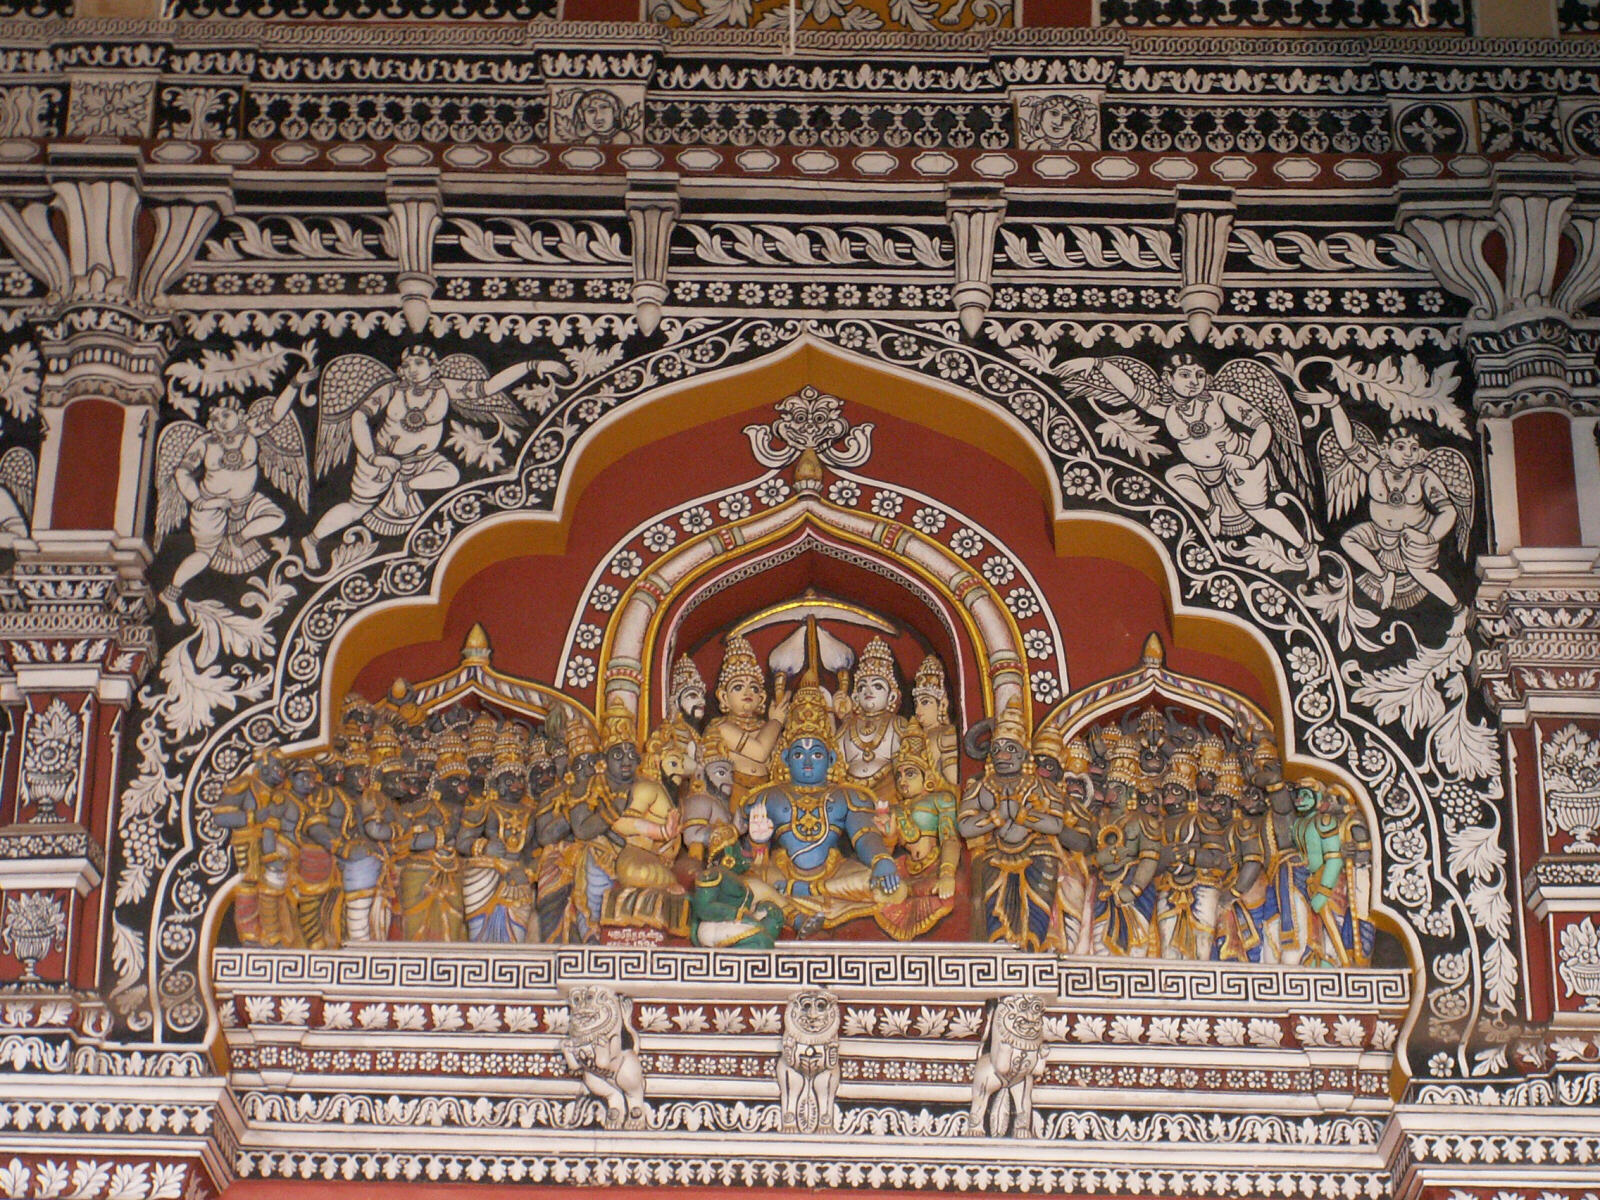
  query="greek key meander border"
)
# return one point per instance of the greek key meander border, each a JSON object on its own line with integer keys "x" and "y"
{"x": 979, "y": 970}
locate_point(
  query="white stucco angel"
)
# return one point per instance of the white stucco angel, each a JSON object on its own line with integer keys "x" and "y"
{"x": 212, "y": 476}
{"x": 395, "y": 421}
{"x": 1237, "y": 433}
{"x": 1415, "y": 498}
{"x": 18, "y": 475}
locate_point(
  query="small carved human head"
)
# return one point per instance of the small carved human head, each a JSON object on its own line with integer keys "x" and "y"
{"x": 418, "y": 364}
{"x": 718, "y": 776}
{"x": 1402, "y": 447}
{"x": 225, "y": 420}
{"x": 1186, "y": 377}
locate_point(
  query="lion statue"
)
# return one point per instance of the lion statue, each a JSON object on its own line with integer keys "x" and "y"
{"x": 1011, "y": 1059}
{"x": 808, "y": 1067}
{"x": 600, "y": 1046}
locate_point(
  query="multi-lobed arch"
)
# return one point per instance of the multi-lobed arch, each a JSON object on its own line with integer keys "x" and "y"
{"x": 866, "y": 384}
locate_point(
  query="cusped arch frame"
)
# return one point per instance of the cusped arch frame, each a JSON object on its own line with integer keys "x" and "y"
{"x": 1152, "y": 678}
{"x": 866, "y": 383}
{"x": 628, "y": 651}
{"x": 686, "y": 403}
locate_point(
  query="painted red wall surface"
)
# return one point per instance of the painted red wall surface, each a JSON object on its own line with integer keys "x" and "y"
{"x": 1547, "y": 486}
{"x": 91, "y": 451}
{"x": 1104, "y": 609}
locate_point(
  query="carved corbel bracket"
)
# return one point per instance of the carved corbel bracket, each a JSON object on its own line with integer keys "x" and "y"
{"x": 415, "y": 208}
{"x": 1205, "y": 219}
{"x": 1518, "y": 332}
{"x": 974, "y": 213}
{"x": 653, "y": 209}
{"x": 185, "y": 209}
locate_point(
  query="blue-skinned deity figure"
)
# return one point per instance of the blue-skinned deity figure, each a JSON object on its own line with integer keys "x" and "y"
{"x": 825, "y": 861}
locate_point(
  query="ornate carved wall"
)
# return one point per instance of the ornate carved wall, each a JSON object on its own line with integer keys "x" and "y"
{"x": 1227, "y": 399}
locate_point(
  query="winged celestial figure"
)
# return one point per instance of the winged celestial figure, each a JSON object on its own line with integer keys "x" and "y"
{"x": 18, "y": 475}
{"x": 211, "y": 476}
{"x": 395, "y": 421}
{"x": 1236, "y": 431}
{"x": 1415, "y": 498}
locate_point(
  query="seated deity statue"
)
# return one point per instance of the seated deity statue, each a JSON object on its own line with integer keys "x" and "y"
{"x": 710, "y": 803}
{"x": 816, "y": 836}
{"x": 870, "y": 727}
{"x": 628, "y": 825}
{"x": 924, "y": 818}
{"x": 746, "y": 732}
{"x": 1012, "y": 824}
{"x": 723, "y": 908}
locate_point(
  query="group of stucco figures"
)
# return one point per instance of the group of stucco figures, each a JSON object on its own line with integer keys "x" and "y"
{"x": 791, "y": 813}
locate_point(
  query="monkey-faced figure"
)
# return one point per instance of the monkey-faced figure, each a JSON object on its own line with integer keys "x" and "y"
{"x": 1011, "y": 1059}
{"x": 599, "y": 1046}
{"x": 808, "y": 1067}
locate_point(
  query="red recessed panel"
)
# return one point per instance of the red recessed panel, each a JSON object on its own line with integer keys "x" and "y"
{"x": 90, "y": 464}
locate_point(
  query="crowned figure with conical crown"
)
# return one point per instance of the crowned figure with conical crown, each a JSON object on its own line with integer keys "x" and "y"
{"x": 1012, "y": 823}
{"x": 824, "y": 856}
{"x": 870, "y": 725}
{"x": 746, "y": 732}
{"x": 931, "y": 703}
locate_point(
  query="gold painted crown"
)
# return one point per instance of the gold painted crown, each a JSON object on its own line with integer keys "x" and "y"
{"x": 538, "y": 749}
{"x": 1265, "y": 751}
{"x": 685, "y": 675}
{"x": 452, "y": 749}
{"x": 913, "y": 751}
{"x": 1182, "y": 769}
{"x": 580, "y": 738}
{"x": 739, "y": 663}
{"x": 509, "y": 750}
{"x": 1212, "y": 752}
{"x": 385, "y": 749}
{"x": 1009, "y": 724}
{"x": 482, "y": 735}
{"x": 355, "y": 752}
{"x": 1151, "y": 723}
{"x": 1048, "y": 742}
{"x": 929, "y": 680}
{"x": 619, "y": 727}
{"x": 810, "y": 716}
{"x": 876, "y": 661}
{"x": 1123, "y": 770}
{"x": 1076, "y": 760}
{"x": 1230, "y": 780}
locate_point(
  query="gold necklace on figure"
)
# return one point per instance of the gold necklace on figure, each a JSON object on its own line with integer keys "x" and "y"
{"x": 1397, "y": 490}
{"x": 415, "y": 418}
